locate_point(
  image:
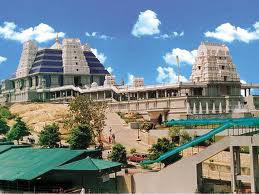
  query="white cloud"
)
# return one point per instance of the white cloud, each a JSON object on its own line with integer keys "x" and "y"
{"x": 2, "y": 59}
{"x": 147, "y": 24}
{"x": 110, "y": 70}
{"x": 98, "y": 36}
{"x": 40, "y": 33}
{"x": 168, "y": 75}
{"x": 130, "y": 79}
{"x": 169, "y": 36}
{"x": 228, "y": 33}
{"x": 102, "y": 58}
{"x": 185, "y": 56}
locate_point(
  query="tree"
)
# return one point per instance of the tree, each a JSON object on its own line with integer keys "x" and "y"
{"x": 4, "y": 128}
{"x": 179, "y": 135}
{"x": 18, "y": 131}
{"x": 80, "y": 137}
{"x": 118, "y": 154}
{"x": 49, "y": 136}
{"x": 83, "y": 111}
{"x": 162, "y": 146}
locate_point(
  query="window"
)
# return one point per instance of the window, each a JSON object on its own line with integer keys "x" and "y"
{"x": 74, "y": 51}
{"x": 199, "y": 67}
{"x": 61, "y": 80}
{"x": 76, "y": 63}
{"x": 75, "y": 57}
{"x": 223, "y": 67}
{"x": 225, "y": 78}
{"x": 76, "y": 69}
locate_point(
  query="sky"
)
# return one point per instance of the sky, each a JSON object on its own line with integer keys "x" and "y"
{"x": 135, "y": 38}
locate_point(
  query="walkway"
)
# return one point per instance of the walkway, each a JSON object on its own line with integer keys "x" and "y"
{"x": 123, "y": 134}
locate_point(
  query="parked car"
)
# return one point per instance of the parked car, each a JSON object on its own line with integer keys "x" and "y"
{"x": 138, "y": 157}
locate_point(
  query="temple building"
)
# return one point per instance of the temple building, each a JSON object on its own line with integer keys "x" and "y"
{"x": 63, "y": 71}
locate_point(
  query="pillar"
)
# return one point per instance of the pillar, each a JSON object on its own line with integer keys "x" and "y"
{"x": 97, "y": 96}
{"x": 156, "y": 94}
{"x": 235, "y": 166}
{"x": 128, "y": 96}
{"x": 254, "y": 169}
{"x": 137, "y": 95}
{"x": 120, "y": 97}
{"x": 146, "y": 95}
{"x": 165, "y": 93}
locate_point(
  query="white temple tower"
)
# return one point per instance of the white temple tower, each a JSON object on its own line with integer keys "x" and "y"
{"x": 27, "y": 58}
{"x": 214, "y": 63}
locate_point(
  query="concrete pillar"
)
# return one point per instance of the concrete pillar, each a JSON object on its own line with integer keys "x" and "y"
{"x": 146, "y": 95}
{"x": 156, "y": 94}
{"x": 235, "y": 166}
{"x": 199, "y": 176}
{"x": 254, "y": 169}
{"x": 128, "y": 96}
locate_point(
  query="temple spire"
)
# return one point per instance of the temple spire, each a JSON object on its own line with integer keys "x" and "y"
{"x": 57, "y": 39}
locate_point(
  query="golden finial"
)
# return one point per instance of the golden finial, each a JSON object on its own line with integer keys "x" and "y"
{"x": 57, "y": 40}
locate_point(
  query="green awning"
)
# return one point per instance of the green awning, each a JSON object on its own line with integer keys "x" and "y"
{"x": 90, "y": 164}
{"x": 30, "y": 163}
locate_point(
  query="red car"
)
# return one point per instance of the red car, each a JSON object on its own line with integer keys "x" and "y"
{"x": 137, "y": 157}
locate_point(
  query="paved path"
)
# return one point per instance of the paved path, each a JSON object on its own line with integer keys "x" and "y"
{"x": 123, "y": 134}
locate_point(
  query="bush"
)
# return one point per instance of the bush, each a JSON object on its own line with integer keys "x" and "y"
{"x": 5, "y": 113}
{"x": 4, "y": 128}
{"x": 133, "y": 150}
{"x": 162, "y": 146}
{"x": 118, "y": 154}
{"x": 18, "y": 131}
{"x": 50, "y": 136}
{"x": 147, "y": 126}
{"x": 80, "y": 137}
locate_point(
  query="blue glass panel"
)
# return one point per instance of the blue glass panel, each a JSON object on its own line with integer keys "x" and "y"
{"x": 95, "y": 65}
{"x": 89, "y": 60}
{"x": 95, "y": 71}
{"x": 47, "y": 70}
{"x": 47, "y": 63}
{"x": 89, "y": 54}
{"x": 49, "y": 57}
{"x": 49, "y": 51}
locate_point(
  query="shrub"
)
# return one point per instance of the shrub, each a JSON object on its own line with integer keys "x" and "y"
{"x": 5, "y": 113}
{"x": 49, "y": 136}
{"x": 118, "y": 154}
{"x": 162, "y": 146}
{"x": 133, "y": 150}
{"x": 4, "y": 128}
{"x": 147, "y": 126}
{"x": 18, "y": 131}
{"x": 80, "y": 137}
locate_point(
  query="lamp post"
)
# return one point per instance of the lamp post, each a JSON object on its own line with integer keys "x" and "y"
{"x": 138, "y": 139}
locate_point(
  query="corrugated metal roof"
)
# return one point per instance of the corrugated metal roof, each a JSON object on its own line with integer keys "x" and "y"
{"x": 6, "y": 147}
{"x": 30, "y": 163}
{"x": 90, "y": 164}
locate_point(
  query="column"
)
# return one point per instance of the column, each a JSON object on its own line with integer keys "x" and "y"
{"x": 128, "y": 96}
{"x": 97, "y": 96}
{"x": 137, "y": 95}
{"x": 146, "y": 95}
{"x": 165, "y": 94}
{"x": 254, "y": 169}
{"x": 120, "y": 97}
{"x": 156, "y": 94}
{"x": 235, "y": 166}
